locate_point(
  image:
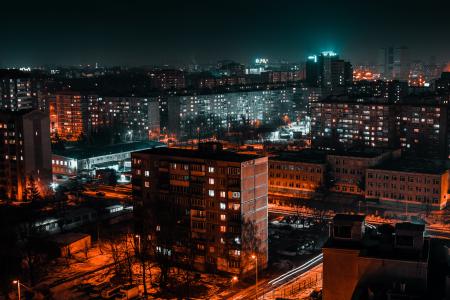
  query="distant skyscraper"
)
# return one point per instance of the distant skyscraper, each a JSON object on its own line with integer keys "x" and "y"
{"x": 26, "y": 153}
{"x": 393, "y": 63}
{"x": 329, "y": 72}
{"x": 312, "y": 71}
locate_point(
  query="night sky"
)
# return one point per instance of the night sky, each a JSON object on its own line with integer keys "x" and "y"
{"x": 148, "y": 32}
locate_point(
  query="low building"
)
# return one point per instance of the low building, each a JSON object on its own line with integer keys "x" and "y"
{"x": 298, "y": 174}
{"x": 348, "y": 168}
{"x": 416, "y": 183}
{"x": 391, "y": 263}
{"x": 74, "y": 161}
{"x": 71, "y": 243}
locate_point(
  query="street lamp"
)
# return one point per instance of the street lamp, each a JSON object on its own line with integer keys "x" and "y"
{"x": 18, "y": 287}
{"x": 256, "y": 273}
{"x": 139, "y": 243}
{"x": 234, "y": 279}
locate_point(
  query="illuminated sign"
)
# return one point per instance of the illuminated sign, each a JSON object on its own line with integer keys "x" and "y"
{"x": 313, "y": 57}
{"x": 261, "y": 61}
{"x": 329, "y": 53}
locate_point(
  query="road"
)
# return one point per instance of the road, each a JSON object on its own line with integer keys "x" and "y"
{"x": 120, "y": 192}
{"x": 293, "y": 281}
{"x": 430, "y": 230}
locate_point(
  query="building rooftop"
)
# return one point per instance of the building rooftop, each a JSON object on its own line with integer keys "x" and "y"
{"x": 362, "y": 152}
{"x": 68, "y": 238}
{"x": 90, "y": 151}
{"x": 411, "y": 100}
{"x": 415, "y": 165}
{"x": 305, "y": 156}
{"x": 13, "y": 73}
{"x": 380, "y": 244}
{"x": 410, "y": 226}
{"x": 221, "y": 155}
{"x": 347, "y": 217}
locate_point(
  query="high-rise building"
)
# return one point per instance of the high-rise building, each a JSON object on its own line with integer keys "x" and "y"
{"x": 203, "y": 114}
{"x": 167, "y": 79}
{"x": 217, "y": 201}
{"x": 26, "y": 154}
{"x": 417, "y": 125}
{"x": 329, "y": 72}
{"x": 73, "y": 114}
{"x": 16, "y": 91}
{"x": 393, "y": 63}
{"x": 392, "y": 91}
{"x": 136, "y": 117}
{"x": 312, "y": 71}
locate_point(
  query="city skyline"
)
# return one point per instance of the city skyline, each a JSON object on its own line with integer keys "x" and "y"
{"x": 139, "y": 33}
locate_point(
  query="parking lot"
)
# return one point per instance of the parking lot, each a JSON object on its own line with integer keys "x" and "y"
{"x": 294, "y": 239}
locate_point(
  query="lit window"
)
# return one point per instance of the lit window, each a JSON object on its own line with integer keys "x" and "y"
{"x": 147, "y": 184}
{"x": 211, "y": 193}
{"x": 223, "y": 217}
{"x": 211, "y": 180}
{"x": 223, "y": 206}
{"x": 222, "y": 194}
{"x": 211, "y": 169}
{"x": 223, "y": 229}
{"x": 147, "y": 173}
{"x": 158, "y": 228}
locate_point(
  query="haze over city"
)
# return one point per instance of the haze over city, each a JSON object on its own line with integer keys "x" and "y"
{"x": 181, "y": 32}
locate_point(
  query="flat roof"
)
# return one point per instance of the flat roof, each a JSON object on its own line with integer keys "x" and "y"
{"x": 362, "y": 152}
{"x": 415, "y": 165}
{"x": 64, "y": 239}
{"x": 348, "y": 217}
{"x": 380, "y": 245}
{"x": 95, "y": 151}
{"x": 222, "y": 155}
{"x": 410, "y": 226}
{"x": 410, "y": 100}
{"x": 305, "y": 156}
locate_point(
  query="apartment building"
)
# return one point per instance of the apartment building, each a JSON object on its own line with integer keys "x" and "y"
{"x": 217, "y": 200}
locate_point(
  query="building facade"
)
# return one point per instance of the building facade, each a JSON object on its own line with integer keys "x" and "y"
{"x": 347, "y": 170}
{"x": 204, "y": 114}
{"x": 74, "y": 114}
{"x": 297, "y": 174}
{"x": 26, "y": 154}
{"x": 417, "y": 183}
{"x": 218, "y": 201}
{"x": 17, "y": 91}
{"x": 416, "y": 125}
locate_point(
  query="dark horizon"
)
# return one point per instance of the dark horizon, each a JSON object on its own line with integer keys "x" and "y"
{"x": 139, "y": 33}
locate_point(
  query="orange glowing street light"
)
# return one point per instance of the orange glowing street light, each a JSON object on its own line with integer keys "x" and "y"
{"x": 256, "y": 273}
{"x": 18, "y": 287}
